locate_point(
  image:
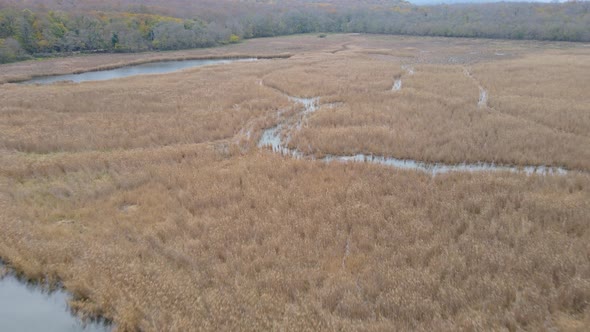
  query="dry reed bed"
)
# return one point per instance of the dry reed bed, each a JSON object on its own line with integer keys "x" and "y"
{"x": 135, "y": 112}
{"x": 434, "y": 117}
{"x": 260, "y": 242}
{"x": 550, "y": 89}
{"x": 322, "y": 75}
{"x": 133, "y": 194}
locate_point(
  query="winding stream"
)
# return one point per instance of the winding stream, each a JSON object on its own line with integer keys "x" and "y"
{"x": 272, "y": 138}
{"x": 397, "y": 85}
{"x": 483, "y": 98}
{"x": 160, "y": 67}
{"x": 29, "y": 308}
{"x": 483, "y": 93}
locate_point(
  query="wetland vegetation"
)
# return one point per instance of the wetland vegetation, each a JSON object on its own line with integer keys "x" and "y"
{"x": 205, "y": 199}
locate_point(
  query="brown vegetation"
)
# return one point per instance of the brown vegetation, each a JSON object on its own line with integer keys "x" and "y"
{"x": 133, "y": 193}
{"x": 435, "y": 116}
{"x": 549, "y": 89}
{"x": 135, "y": 112}
{"x": 196, "y": 238}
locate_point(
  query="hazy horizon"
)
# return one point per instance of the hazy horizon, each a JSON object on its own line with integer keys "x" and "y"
{"x": 433, "y": 2}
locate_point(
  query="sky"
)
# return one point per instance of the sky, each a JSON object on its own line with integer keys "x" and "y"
{"x": 429, "y": 2}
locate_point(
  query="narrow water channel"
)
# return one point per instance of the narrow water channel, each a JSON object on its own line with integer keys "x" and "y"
{"x": 30, "y": 308}
{"x": 483, "y": 98}
{"x": 272, "y": 138}
{"x": 161, "y": 67}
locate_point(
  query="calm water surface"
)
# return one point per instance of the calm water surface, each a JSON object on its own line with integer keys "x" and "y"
{"x": 28, "y": 308}
{"x": 161, "y": 67}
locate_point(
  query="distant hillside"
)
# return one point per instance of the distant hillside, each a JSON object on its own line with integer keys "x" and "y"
{"x": 437, "y": 2}
{"x": 43, "y": 27}
{"x": 185, "y": 8}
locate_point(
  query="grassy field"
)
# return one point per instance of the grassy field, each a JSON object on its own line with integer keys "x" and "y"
{"x": 151, "y": 202}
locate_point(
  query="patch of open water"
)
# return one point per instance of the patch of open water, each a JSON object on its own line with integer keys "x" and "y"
{"x": 26, "y": 307}
{"x": 160, "y": 67}
{"x": 271, "y": 138}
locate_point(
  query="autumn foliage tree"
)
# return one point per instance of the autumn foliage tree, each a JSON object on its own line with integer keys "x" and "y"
{"x": 41, "y": 27}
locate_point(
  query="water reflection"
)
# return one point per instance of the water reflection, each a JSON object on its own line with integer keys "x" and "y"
{"x": 28, "y": 308}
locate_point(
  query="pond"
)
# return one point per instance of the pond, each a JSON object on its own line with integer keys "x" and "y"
{"x": 30, "y": 308}
{"x": 160, "y": 67}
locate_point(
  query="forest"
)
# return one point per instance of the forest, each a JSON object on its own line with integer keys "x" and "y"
{"x": 39, "y": 28}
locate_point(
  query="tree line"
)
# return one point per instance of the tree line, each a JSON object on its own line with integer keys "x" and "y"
{"x": 42, "y": 31}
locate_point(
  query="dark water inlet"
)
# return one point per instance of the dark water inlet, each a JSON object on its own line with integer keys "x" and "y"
{"x": 160, "y": 67}
{"x": 31, "y": 308}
